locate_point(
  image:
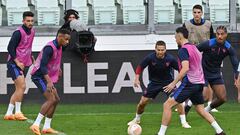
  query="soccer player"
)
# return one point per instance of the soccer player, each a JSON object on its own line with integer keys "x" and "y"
{"x": 20, "y": 57}
{"x": 214, "y": 51}
{"x": 160, "y": 67}
{"x": 192, "y": 81}
{"x": 199, "y": 30}
{"x": 45, "y": 74}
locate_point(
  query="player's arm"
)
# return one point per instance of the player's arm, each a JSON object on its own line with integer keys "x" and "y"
{"x": 238, "y": 80}
{"x": 174, "y": 64}
{"x": 184, "y": 58}
{"x": 47, "y": 54}
{"x": 203, "y": 46}
{"x": 139, "y": 70}
{"x": 12, "y": 46}
{"x": 234, "y": 61}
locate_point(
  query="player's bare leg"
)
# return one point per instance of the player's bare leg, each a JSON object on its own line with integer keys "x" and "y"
{"x": 221, "y": 97}
{"x": 238, "y": 89}
{"x": 50, "y": 97}
{"x": 16, "y": 99}
{"x": 167, "y": 115}
{"x": 209, "y": 118}
{"x": 182, "y": 116}
{"x": 208, "y": 96}
{"x": 140, "y": 109}
{"x": 47, "y": 125}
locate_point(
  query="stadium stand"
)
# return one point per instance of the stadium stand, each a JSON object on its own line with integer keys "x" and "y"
{"x": 164, "y": 11}
{"x": 133, "y": 11}
{"x": 105, "y": 12}
{"x": 48, "y": 14}
{"x": 82, "y": 8}
{"x": 0, "y": 15}
{"x": 219, "y": 10}
{"x": 15, "y": 8}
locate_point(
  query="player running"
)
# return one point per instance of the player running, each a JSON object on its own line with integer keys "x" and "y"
{"x": 214, "y": 51}
{"x": 192, "y": 82}
{"x": 45, "y": 74}
{"x": 160, "y": 68}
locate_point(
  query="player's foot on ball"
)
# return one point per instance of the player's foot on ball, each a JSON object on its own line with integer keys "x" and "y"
{"x": 186, "y": 125}
{"x": 20, "y": 117}
{"x": 35, "y": 129}
{"x": 9, "y": 117}
{"x": 49, "y": 131}
{"x": 134, "y": 121}
{"x": 222, "y": 133}
{"x": 214, "y": 110}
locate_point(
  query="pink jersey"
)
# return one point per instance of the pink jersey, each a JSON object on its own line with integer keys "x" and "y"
{"x": 195, "y": 73}
{"x": 54, "y": 63}
{"x": 24, "y": 49}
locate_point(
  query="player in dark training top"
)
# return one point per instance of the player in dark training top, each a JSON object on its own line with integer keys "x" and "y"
{"x": 160, "y": 68}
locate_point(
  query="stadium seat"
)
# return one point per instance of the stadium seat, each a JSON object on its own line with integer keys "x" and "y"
{"x": 15, "y": 8}
{"x": 82, "y": 8}
{"x": 0, "y": 16}
{"x": 3, "y": 2}
{"x": 105, "y": 11}
{"x": 48, "y": 13}
{"x": 219, "y": 10}
{"x": 187, "y": 6}
{"x": 164, "y": 11}
{"x": 133, "y": 11}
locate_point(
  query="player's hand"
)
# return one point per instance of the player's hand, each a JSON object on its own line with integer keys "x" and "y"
{"x": 50, "y": 87}
{"x": 136, "y": 83}
{"x": 169, "y": 87}
{"x": 237, "y": 83}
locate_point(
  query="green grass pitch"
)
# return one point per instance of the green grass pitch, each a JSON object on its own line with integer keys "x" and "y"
{"x": 111, "y": 119}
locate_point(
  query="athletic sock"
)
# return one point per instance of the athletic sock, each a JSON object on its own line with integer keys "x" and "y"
{"x": 138, "y": 117}
{"x": 47, "y": 123}
{"x": 217, "y": 128}
{"x": 162, "y": 130}
{"x": 18, "y": 107}
{"x": 183, "y": 118}
{"x": 38, "y": 119}
{"x": 10, "y": 109}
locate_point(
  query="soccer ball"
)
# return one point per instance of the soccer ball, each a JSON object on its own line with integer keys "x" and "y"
{"x": 134, "y": 129}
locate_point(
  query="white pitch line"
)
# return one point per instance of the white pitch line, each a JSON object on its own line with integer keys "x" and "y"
{"x": 32, "y": 121}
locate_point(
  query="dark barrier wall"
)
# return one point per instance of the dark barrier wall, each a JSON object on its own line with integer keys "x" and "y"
{"x": 107, "y": 78}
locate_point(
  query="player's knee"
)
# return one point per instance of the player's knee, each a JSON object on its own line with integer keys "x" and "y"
{"x": 57, "y": 100}
{"x": 141, "y": 105}
{"x": 223, "y": 99}
{"x": 22, "y": 87}
{"x": 166, "y": 105}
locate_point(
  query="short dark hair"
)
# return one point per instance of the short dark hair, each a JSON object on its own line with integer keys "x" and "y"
{"x": 221, "y": 27}
{"x": 63, "y": 31}
{"x": 69, "y": 12}
{"x": 27, "y": 13}
{"x": 197, "y": 7}
{"x": 182, "y": 30}
{"x": 160, "y": 43}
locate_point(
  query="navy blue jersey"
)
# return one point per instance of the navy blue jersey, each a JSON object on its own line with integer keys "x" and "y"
{"x": 213, "y": 55}
{"x": 160, "y": 70}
